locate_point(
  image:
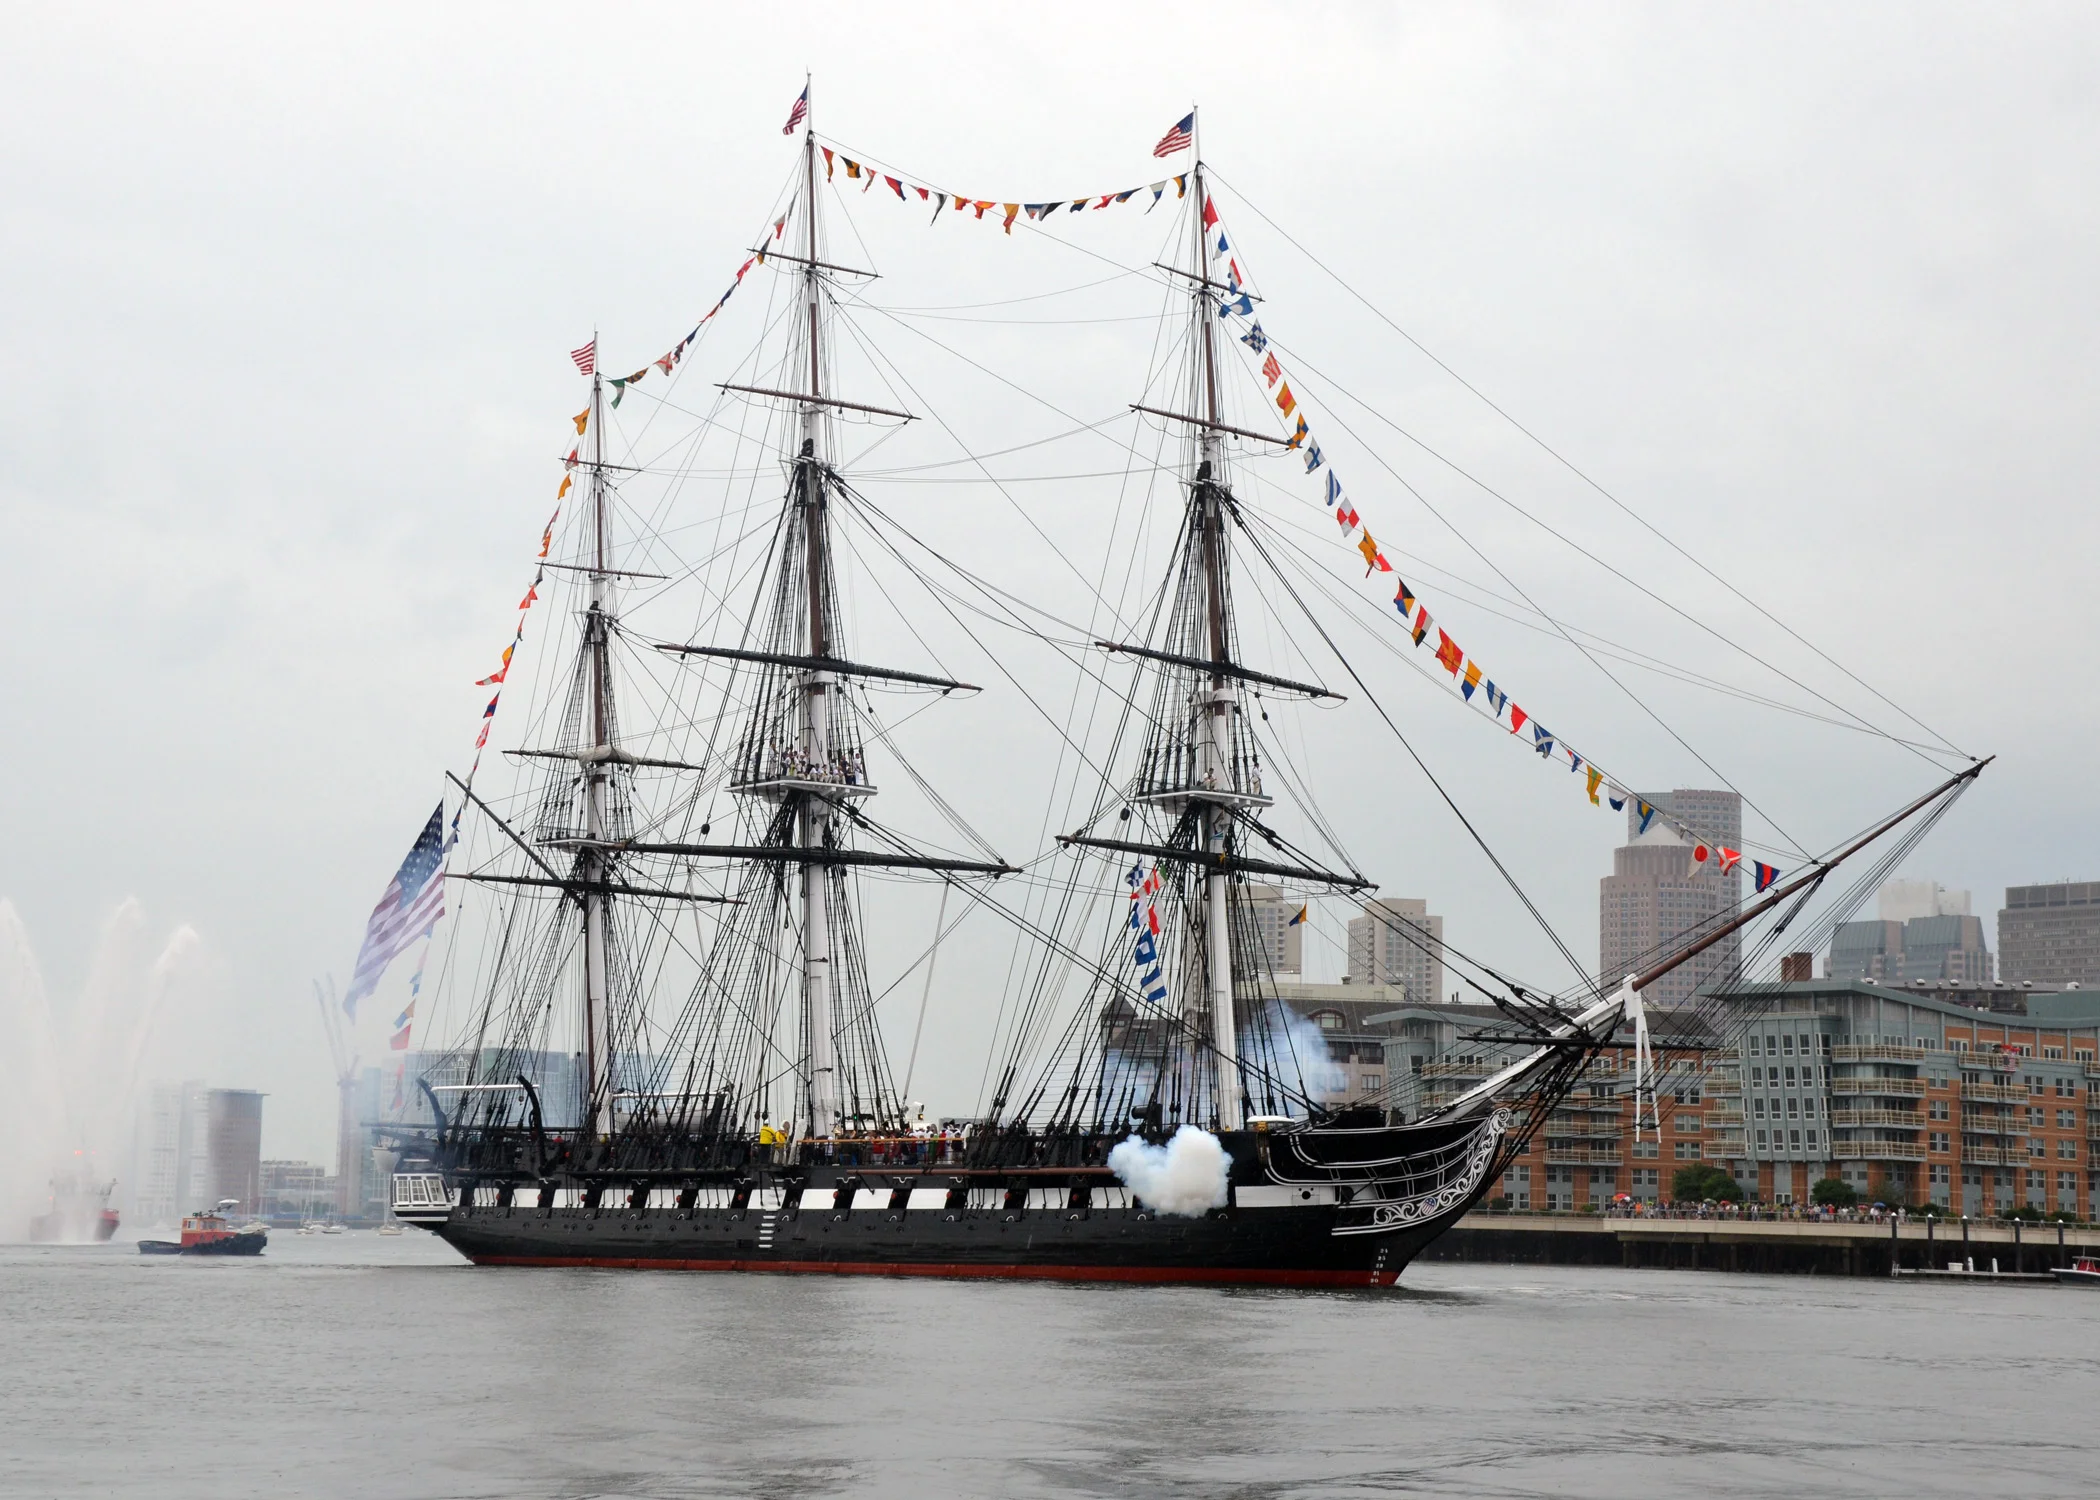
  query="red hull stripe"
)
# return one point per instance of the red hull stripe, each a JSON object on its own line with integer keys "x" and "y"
{"x": 1237, "y": 1276}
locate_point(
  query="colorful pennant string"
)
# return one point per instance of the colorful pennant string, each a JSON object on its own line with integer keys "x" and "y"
{"x": 1468, "y": 676}
{"x": 868, "y": 175}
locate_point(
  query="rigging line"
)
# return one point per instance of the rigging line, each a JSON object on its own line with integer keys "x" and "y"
{"x": 1381, "y": 638}
{"x": 940, "y": 597}
{"x": 1515, "y": 613}
{"x": 1115, "y": 984}
{"x": 1566, "y": 463}
{"x": 864, "y": 475}
{"x": 1588, "y": 655}
{"x": 1864, "y": 724}
{"x": 1015, "y": 301}
{"x": 942, "y": 422}
{"x": 1467, "y": 823}
{"x": 1017, "y": 322}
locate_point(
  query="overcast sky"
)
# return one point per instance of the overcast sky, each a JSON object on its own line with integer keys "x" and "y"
{"x": 289, "y": 295}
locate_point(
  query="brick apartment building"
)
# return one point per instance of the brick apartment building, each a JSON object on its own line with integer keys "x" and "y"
{"x": 1908, "y": 1096}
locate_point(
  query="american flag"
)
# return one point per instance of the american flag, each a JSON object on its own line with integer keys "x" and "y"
{"x": 414, "y": 900}
{"x": 587, "y": 357}
{"x": 1180, "y": 138}
{"x": 798, "y": 114}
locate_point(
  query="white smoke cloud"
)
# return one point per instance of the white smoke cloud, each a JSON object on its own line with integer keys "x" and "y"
{"x": 1185, "y": 1177}
{"x": 1302, "y": 1047}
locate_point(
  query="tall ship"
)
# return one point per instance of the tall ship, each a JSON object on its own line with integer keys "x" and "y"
{"x": 677, "y": 895}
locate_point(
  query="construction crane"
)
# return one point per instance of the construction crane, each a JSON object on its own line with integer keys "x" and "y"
{"x": 349, "y": 1131}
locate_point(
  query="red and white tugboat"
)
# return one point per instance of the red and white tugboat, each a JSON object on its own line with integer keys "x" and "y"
{"x": 210, "y": 1233}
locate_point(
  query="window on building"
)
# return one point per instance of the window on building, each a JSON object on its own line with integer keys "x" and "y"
{"x": 1374, "y": 1080}
{"x": 1689, "y": 1125}
{"x": 1939, "y": 1141}
{"x": 1756, "y": 1044}
{"x": 2066, "y": 1119}
{"x": 1787, "y": 1044}
{"x": 1687, "y": 1150}
{"x": 2067, "y": 1149}
{"x": 2036, "y": 1146}
{"x": 1794, "y": 1140}
{"x": 1937, "y": 1109}
{"x": 1328, "y": 1020}
{"x": 2067, "y": 1190}
{"x": 1939, "y": 1173}
{"x": 1761, "y": 1141}
{"x": 2037, "y": 1117}
{"x": 2037, "y": 1186}
{"x": 1793, "y": 1109}
{"x": 2053, "y": 1052}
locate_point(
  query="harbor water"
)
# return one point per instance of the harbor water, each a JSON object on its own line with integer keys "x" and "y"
{"x": 362, "y": 1365}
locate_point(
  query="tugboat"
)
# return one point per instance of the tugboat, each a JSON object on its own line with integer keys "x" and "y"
{"x": 79, "y": 1214}
{"x": 208, "y": 1233}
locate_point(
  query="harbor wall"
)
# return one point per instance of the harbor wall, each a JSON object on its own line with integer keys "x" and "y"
{"x": 1803, "y": 1247}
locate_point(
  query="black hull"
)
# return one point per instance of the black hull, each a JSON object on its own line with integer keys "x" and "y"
{"x": 1262, "y": 1247}
{"x": 1344, "y": 1208}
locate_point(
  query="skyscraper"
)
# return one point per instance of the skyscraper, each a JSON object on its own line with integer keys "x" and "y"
{"x": 172, "y": 1171}
{"x": 1283, "y": 944}
{"x": 1657, "y": 900}
{"x": 1924, "y": 933}
{"x": 2050, "y": 934}
{"x": 1715, "y": 817}
{"x": 234, "y": 1147}
{"x": 1397, "y": 941}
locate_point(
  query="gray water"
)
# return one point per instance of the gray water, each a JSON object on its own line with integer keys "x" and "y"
{"x": 362, "y": 1365}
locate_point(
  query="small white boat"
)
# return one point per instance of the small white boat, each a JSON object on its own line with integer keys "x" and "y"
{"x": 390, "y": 1227}
{"x": 2084, "y": 1271}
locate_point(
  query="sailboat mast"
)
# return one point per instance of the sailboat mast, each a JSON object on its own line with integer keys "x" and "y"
{"x": 1217, "y": 743}
{"x": 597, "y": 1051}
{"x": 816, "y": 684}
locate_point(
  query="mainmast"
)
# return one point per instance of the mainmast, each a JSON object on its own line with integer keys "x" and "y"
{"x": 1216, "y": 748}
{"x": 592, "y": 861}
{"x": 816, "y": 684}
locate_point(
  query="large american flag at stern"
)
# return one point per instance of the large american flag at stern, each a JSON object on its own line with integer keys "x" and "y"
{"x": 414, "y": 900}
{"x": 1179, "y": 138}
